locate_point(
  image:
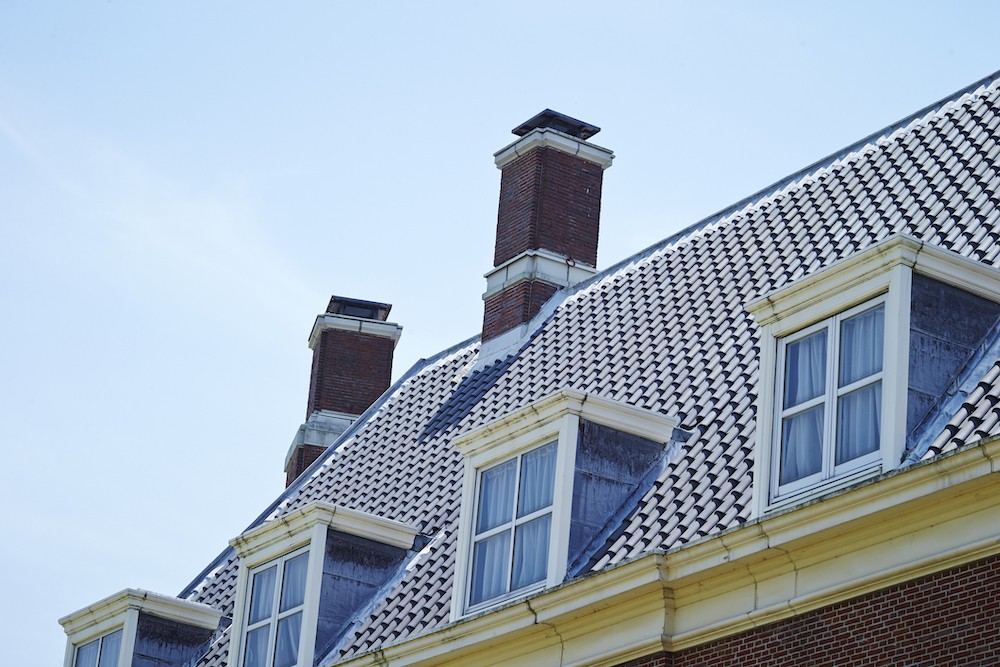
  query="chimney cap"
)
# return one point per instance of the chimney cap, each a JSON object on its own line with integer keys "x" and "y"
{"x": 557, "y": 121}
{"x": 368, "y": 310}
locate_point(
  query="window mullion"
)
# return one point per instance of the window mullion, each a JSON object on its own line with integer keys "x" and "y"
{"x": 272, "y": 643}
{"x": 832, "y": 378}
{"x": 513, "y": 522}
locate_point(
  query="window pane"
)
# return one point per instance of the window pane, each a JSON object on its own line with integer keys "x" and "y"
{"x": 489, "y": 567}
{"x": 861, "y": 345}
{"x": 538, "y": 470}
{"x": 531, "y": 552}
{"x": 293, "y": 582}
{"x": 262, "y": 597}
{"x": 496, "y": 496}
{"x": 256, "y": 648}
{"x": 805, "y": 369}
{"x": 801, "y": 445}
{"x": 287, "y": 652}
{"x": 110, "y": 647}
{"x": 859, "y": 420}
{"x": 86, "y": 655}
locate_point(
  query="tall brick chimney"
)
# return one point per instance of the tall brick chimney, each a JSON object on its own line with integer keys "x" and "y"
{"x": 547, "y": 224}
{"x": 352, "y": 346}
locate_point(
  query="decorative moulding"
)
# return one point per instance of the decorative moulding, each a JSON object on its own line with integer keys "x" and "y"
{"x": 546, "y": 137}
{"x": 536, "y": 265}
{"x": 326, "y": 321}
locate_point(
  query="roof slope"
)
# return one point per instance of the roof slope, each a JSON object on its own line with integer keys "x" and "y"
{"x": 665, "y": 330}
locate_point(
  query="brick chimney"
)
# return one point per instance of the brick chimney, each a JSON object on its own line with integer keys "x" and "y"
{"x": 352, "y": 346}
{"x": 547, "y": 224}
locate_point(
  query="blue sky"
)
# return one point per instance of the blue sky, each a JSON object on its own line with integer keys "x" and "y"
{"x": 183, "y": 185}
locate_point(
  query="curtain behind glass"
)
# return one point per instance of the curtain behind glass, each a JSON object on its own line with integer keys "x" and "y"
{"x": 262, "y": 595}
{"x": 293, "y": 582}
{"x": 805, "y": 369}
{"x": 256, "y": 647}
{"x": 286, "y": 652}
{"x": 489, "y": 567}
{"x": 531, "y": 552}
{"x": 801, "y": 445}
{"x": 86, "y": 655}
{"x": 538, "y": 470}
{"x": 496, "y": 496}
{"x": 859, "y": 422}
{"x": 110, "y": 647}
{"x": 861, "y": 344}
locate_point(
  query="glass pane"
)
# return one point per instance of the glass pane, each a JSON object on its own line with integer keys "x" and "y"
{"x": 86, "y": 655}
{"x": 293, "y": 582}
{"x": 110, "y": 647}
{"x": 805, "y": 369}
{"x": 262, "y": 596}
{"x": 489, "y": 568}
{"x": 256, "y": 647}
{"x": 538, "y": 471}
{"x": 496, "y": 496}
{"x": 801, "y": 445}
{"x": 531, "y": 552}
{"x": 859, "y": 421}
{"x": 287, "y": 652}
{"x": 861, "y": 345}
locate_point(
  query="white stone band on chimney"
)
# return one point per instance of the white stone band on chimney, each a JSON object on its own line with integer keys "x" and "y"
{"x": 541, "y": 265}
{"x": 546, "y": 137}
{"x": 356, "y": 324}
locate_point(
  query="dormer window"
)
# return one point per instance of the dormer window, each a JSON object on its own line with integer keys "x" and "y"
{"x": 274, "y": 615}
{"x": 856, "y": 358}
{"x": 830, "y": 412}
{"x": 541, "y": 484}
{"x": 101, "y": 652}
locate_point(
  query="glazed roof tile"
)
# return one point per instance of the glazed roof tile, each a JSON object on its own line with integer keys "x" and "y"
{"x": 665, "y": 330}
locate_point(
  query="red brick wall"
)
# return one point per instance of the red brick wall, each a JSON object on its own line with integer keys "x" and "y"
{"x": 350, "y": 370}
{"x": 301, "y": 459}
{"x": 949, "y": 619}
{"x": 513, "y": 306}
{"x": 549, "y": 200}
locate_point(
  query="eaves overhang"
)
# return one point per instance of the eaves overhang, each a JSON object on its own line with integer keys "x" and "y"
{"x": 895, "y": 528}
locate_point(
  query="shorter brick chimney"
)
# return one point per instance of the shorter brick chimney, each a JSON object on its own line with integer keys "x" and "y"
{"x": 352, "y": 346}
{"x": 547, "y": 224}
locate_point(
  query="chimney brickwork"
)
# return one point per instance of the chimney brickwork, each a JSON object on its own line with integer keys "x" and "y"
{"x": 352, "y": 348}
{"x": 548, "y": 221}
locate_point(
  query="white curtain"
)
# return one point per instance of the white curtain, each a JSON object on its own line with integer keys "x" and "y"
{"x": 531, "y": 552}
{"x": 805, "y": 369}
{"x": 861, "y": 343}
{"x": 286, "y": 653}
{"x": 538, "y": 469}
{"x": 256, "y": 647}
{"x": 110, "y": 647}
{"x": 859, "y": 421}
{"x": 262, "y": 595}
{"x": 86, "y": 655}
{"x": 489, "y": 567}
{"x": 293, "y": 582}
{"x": 801, "y": 445}
{"x": 496, "y": 496}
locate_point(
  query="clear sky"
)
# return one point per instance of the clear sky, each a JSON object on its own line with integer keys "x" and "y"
{"x": 184, "y": 184}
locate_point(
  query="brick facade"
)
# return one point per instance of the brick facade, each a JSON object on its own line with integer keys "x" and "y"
{"x": 514, "y": 306}
{"x": 549, "y": 200}
{"x": 948, "y": 619}
{"x": 302, "y": 459}
{"x": 350, "y": 370}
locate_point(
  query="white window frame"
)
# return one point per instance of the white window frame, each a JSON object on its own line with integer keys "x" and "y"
{"x": 276, "y": 614}
{"x": 100, "y": 647}
{"x": 293, "y": 533}
{"x": 554, "y": 418}
{"x": 121, "y": 612}
{"x": 883, "y": 270}
{"x": 829, "y": 399}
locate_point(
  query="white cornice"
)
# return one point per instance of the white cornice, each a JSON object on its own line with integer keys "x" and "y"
{"x": 546, "y": 137}
{"x": 613, "y": 414}
{"x": 389, "y": 330}
{"x": 111, "y": 612}
{"x": 291, "y": 530}
{"x": 541, "y": 265}
{"x": 905, "y": 525}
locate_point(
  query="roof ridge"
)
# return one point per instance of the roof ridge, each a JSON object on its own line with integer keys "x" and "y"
{"x": 786, "y": 181}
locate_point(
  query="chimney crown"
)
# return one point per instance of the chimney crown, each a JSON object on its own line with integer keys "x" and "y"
{"x": 557, "y": 121}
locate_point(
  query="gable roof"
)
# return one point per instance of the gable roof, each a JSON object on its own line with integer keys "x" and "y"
{"x": 665, "y": 330}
